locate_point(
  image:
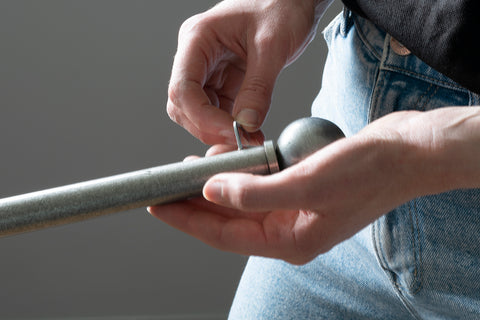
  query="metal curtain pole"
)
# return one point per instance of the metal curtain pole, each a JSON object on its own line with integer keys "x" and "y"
{"x": 159, "y": 185}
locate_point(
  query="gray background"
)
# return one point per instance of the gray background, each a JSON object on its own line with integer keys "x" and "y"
{"x": 82, "y": 95}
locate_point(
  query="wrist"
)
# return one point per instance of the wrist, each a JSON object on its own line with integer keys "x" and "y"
{"x": 427, "y": 152}
{"x": 460, "y": 156}
{"x": 441, "y": 148}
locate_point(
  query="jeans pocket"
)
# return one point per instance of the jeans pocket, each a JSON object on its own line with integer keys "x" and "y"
{"x": 395, "y": 91}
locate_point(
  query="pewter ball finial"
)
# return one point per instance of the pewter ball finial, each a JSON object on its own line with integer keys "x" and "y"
{"x": 303, "y": 137}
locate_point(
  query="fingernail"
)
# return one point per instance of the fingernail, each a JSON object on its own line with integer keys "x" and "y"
{"x": 248, "y": 118}
{"x": 214, "y": 191}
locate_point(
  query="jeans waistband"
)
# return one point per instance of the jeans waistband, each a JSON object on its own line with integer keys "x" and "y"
{"x": 379, "y": 43}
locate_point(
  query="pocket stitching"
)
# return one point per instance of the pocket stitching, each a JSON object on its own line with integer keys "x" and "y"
{"x": 442, "y": 83}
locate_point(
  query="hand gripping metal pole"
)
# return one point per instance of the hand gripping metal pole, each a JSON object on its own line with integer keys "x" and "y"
{"x": 160, "y": 185}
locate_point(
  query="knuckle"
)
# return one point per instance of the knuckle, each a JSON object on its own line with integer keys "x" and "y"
{"x": 172, "y": 112}
{"x": 265, "y": 40}
{"x": 174, "y": 92}
{"x": 189, "y": 24}
{"x": 194, "y": 26}
{"x": 259, "y": 87}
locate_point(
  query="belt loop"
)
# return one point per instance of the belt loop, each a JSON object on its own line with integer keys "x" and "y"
{"x": 347, "y": 22}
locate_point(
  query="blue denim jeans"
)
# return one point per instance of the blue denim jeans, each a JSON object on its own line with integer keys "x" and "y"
{"x": 419, "y": 261}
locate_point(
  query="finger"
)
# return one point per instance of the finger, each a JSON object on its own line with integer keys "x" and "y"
{"x": 187, "y": 97}
{"x": 248, "y": 192}
{"x": 235, "y": 234}
{"x": 219, "y": 149}
{"x": 223, "y": 148}
{"x": 296, "y": 187}
{"x": 254, "y": 138}
{"x": 223, "y": 137}
{"x": 223, "y": 85}
{"x": 255, "y": 94}
{"x": 190, "y": 158}
{"x": 270, "y": 235}
{"x": 309, "y": 184}
{"x": 212, "y": 96}
{"x": 190, "y": 107}
{"x": 298, "y": 234}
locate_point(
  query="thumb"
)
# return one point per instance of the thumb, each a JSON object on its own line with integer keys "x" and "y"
{"x": 255, "y": 94}
{"x": 248, "y": 192}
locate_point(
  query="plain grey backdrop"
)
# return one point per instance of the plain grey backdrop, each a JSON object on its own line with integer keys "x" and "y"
{"x": 82, "y": 95}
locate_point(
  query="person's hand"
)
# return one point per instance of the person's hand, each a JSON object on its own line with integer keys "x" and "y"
{"x": 308, "y": 208}
{"x": 227, "y": 62}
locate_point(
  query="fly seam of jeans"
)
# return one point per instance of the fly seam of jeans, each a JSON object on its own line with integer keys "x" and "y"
{"x": 416, "y": 284}
{"x": 383, "y": 264}
{"x": 377, "y": 246}
{"x": 382, "y": 259}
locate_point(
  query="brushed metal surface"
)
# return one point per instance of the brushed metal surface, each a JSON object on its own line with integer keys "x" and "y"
{"x": 121, "y": 192}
